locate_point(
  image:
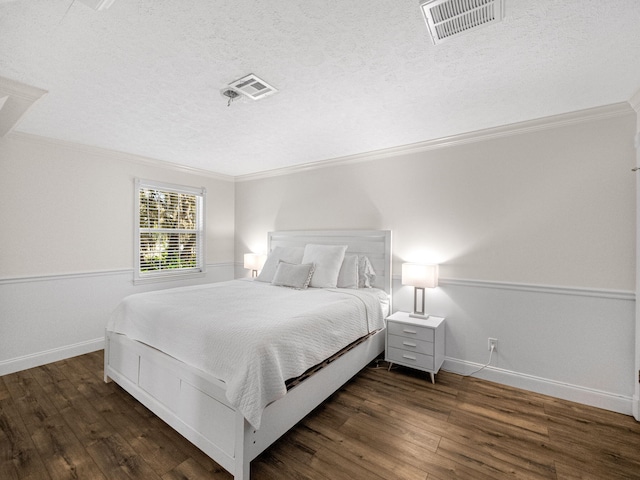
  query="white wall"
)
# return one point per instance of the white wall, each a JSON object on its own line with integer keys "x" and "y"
{"x": 635, "y": 103}
{"x": 67, "y": 243}
{"x": 534, "y": 228}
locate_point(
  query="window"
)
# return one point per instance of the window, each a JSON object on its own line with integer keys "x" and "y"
{"x": 169, "y": 231}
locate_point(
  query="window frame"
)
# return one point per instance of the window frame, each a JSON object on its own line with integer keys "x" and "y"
{"x": 169, "y": 274}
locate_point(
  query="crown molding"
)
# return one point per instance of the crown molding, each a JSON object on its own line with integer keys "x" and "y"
{"x": 555, "y": 121}
{"x": 21, "y": 90}
{"x": 16, "y": 99}
{"x": 117, "y": 155}
{"x": 634, "y": 101}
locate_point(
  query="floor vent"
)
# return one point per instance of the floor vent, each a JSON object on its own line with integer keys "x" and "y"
{"x": 449, "y": 18}
{"x": 253, "y": 87}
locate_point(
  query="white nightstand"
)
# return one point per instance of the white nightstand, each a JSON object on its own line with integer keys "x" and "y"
{"x": 415, "y": 342}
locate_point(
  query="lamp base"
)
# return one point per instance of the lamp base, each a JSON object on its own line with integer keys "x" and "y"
{"x": 424, "y": 316}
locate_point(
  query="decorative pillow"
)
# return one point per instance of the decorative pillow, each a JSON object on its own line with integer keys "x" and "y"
{"x": 286, "y": 254}
{"x": 366, "y": 274}
{"x": 348, "y": 276}
{"x": 293, "y": 275}
{"x": 328, "y": 260}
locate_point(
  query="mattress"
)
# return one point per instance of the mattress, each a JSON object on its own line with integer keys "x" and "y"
{"x": 251, "y": 335}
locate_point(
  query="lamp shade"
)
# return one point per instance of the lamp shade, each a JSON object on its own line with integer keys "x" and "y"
{"x": 254, "y": 261}
{"x": 421, "y": 276}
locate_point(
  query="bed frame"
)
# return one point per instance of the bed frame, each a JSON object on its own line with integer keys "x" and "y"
{"x": 194, "y": 403}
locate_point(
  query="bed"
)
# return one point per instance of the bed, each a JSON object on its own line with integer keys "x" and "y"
{"x": 199, "y": 396}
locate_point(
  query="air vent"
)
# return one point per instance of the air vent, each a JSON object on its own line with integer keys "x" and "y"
{"x": 449, "y": 18}
{"x": 253, "y": 87}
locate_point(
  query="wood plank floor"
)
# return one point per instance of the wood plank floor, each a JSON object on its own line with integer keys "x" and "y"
{"x": 61, "y": 421}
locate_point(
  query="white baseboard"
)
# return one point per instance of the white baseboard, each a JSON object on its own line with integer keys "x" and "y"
{"x": 636, "y": 408}
{"x": 42, "y": 358}
{"x": 565, "y": 391}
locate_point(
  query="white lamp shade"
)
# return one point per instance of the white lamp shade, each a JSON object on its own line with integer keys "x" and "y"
{"x": 421, "y": 276}
{"x": 254, "y": 261}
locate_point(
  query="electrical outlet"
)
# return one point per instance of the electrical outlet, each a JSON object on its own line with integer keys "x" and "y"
{"x": 493, "y": 342}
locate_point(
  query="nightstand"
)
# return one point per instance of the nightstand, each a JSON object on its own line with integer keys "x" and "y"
{"x": 415, "y": 342}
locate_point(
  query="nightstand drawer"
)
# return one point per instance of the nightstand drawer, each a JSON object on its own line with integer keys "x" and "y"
{"x": 410, "y": 344}
{"x": 411, "y": 331}
{"x": 412, "y": 359}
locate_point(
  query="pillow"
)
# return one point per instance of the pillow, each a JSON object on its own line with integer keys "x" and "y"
{"x": 286, "y": 254}
{"x": 348, "y": 276}
{"x": 328, "y": 260}
{"x": 293, "y": 275}
{"x": 366, "y": 274}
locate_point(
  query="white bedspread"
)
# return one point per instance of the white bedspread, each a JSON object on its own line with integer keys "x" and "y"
{"x": 251, "y": 335}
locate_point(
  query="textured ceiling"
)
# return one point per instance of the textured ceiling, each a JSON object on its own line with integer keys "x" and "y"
{"x": 144, "y": 76}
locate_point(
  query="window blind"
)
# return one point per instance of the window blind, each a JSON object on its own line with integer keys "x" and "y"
{"x": 170, "y": 226}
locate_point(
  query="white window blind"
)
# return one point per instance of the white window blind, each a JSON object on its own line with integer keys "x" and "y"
{"x": 169, "y": 230}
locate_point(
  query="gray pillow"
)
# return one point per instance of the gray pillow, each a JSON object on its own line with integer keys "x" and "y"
{"x": 366, "y": 274}
{"x": 293, "y": 275}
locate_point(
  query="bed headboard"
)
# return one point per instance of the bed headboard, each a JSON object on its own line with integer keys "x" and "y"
{"x": 375, "y": 244}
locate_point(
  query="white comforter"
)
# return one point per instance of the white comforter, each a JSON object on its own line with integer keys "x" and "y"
{"x": 251, "y": 335}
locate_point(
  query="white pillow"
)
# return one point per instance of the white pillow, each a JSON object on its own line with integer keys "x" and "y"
{"x": 348, "y": 276}
{"x": 366, "y": 274}
{"x": 293, "y": 275}
{"x": 286, "y": 254}
{"x": 328, "y": 260}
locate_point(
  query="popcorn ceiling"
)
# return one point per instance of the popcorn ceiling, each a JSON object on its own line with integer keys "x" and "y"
{"x": 145, "y": 76}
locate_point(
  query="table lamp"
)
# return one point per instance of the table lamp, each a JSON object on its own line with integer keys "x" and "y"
{"x": 254, "y": 262}
{"x": 419, "y": 277}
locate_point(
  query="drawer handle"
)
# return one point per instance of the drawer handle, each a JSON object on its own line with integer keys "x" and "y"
{"x": 405, "y": 330}
{"x": 409, "y": 344}
{"x": 408, "y": 357}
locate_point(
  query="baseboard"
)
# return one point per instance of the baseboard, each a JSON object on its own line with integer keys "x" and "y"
{"x": 565, "y": 391}
{"x": 48, "y": 356}
{"x": 636, "y": 408}
{"x": 59, "y": 304}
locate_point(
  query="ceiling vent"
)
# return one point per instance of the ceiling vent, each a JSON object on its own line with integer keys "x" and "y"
{"x": 449, "y": 18}
{"x": 252, "y": 87}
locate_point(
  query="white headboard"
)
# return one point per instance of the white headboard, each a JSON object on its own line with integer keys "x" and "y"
{"x": 375, "y": 244}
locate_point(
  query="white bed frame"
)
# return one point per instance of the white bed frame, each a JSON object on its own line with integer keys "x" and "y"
{"x": 194, "y": 403}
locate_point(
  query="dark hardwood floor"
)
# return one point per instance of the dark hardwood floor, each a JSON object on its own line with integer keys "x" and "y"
{"x": 61, "y": 421}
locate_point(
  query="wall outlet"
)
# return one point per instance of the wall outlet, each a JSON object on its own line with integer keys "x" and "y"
{"x": 493, "y": 342}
